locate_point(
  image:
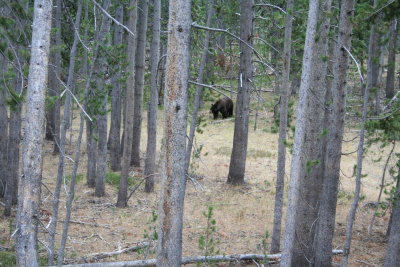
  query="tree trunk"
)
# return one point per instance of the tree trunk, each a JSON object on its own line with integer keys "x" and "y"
{"x": 196, "y": 105}
{"x": 298, "y": 162}
{"x": 128, "y": 125}
{"x": 53, "y": 113}
{"x": 150, "y": 162}
{"x": 115, "y": 127}
{"x": 139, "y": 80}
{"x": 393, "y": 247}
{"x": 373, "y": 62}
{"x": 14, "y": 140}
{"x": 63, "y": 132}
{"x": 283, "y": 121}
{"x": 30, "y": 182}
{"x": 169, "y": 249}
{"x": 102, "y": 94}
{"x": 313, "y": 152}
{"x": 391, "y": 59}
{"x": 352, "y": 213}
{"x": 3, "y": 131}
{"x": 239, "y": 150}
{"x": 328, "y": 199}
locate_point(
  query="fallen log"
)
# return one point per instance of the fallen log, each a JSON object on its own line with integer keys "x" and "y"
{"x": 102, "y": 255}
{"x": 187, "y": 260}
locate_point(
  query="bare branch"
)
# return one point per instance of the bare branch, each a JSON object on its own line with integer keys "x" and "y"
{"x": 355, "y": 61}
{"x": 194, "y": 24}
{"x": 209, "y": 86}
{"x": 274, "y": 6}
{"x": 113, "y": 19}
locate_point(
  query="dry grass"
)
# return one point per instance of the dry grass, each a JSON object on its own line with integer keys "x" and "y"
{"x": 243, "y": 213}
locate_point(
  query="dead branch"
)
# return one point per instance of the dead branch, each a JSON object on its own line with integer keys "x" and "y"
{"x": 102, "y": 255}
{"x": 221, "y": 121}
{"x": 91, "y": 224}
{"x": 187, "y": 260}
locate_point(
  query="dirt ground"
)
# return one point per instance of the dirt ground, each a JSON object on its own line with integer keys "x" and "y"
{"x": 243, "y": 214}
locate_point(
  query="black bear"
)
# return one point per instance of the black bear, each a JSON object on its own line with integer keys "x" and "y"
{"x": 225, "y": 106}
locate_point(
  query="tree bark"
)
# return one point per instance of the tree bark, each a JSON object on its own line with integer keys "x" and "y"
{"x": 53, "y": 113}
{"x": 30, "y": 183}
{"x": 327, "y": 209}
{"x": 139, "y": 80}
{"x": 239, "y": 149}
{"x": 3, "y": 132}
{"x": 390, "y": 78}
{"x": 13, "y": 149}
{"x": 298, "y": 162}
{"x": 128, "y": 125}
{"x": 283, "y": 121}
{"x": 115, "y": 127}
{"x": 169, "y": 249}
{"x": 197, "y": 97}
{"x": 312, "y": 169}
{"x": 150, "y": 162}
{"x": 373, "y": 61}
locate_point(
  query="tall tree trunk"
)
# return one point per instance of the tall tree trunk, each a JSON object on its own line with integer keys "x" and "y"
{"x": 352, "y": 213}
{"x": 283, "y": 121}
{"x": 391, "y": 59}
{"x": 128, "y": 125}
{"x": 312, "y": 168}
{"x": 13, "y": 144}
{"x": 373, "y": 61}
{"x": 3, "y": 130}
{"x": 169, "y": 249}
{"x": 139, "y": 80}
{"x": 102, "y": 94}
{"x": 30, "y": 182}
{"x": 239, "y": 150}
{"x": 53, "y": 113}
{"x": 393, "y": 247}
{"x": 327, "y": 209}
{"x": 63, "y": 133}
{"x": 115, "y": 127}
{"x": 150, "y": 162}
{"x": 297, "y": 169}
{"x": 196, "y": 105}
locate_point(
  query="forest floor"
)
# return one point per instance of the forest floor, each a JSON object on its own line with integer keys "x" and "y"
{"x": 243, "y": 214}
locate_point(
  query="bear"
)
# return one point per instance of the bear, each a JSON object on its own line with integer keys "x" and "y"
{"x": 223, "y": 105}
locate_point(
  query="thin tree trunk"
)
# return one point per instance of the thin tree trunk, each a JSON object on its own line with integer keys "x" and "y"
{"x": 283, "y": 121}
{"x": 373, "y": 62}
{"x": 391, "y": 59}
{"x": 102, "y": 94}
{"x": 71, "y": 193}
{"x": 353, "y": 210}
{"x": 297, "y": 169}
{"x": 327, "y": 209}
{"x": 3, "y": 133}
{"x": 150, "y": 162}
{"x": 196, "y": 105}
{"x": 139, "y": 80}
{"x": 53, "y": 113}
{"x": 115, "y": 127}
{"x": 63, "y": 132}
{"x": 393, "y": 247}
{"x": 128, "y": 125}
{"x": 30, "y": 182}
{"x": 13, "y": 144}
{"x": 169, "y": 249}
{"x": 239, "y": 150}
